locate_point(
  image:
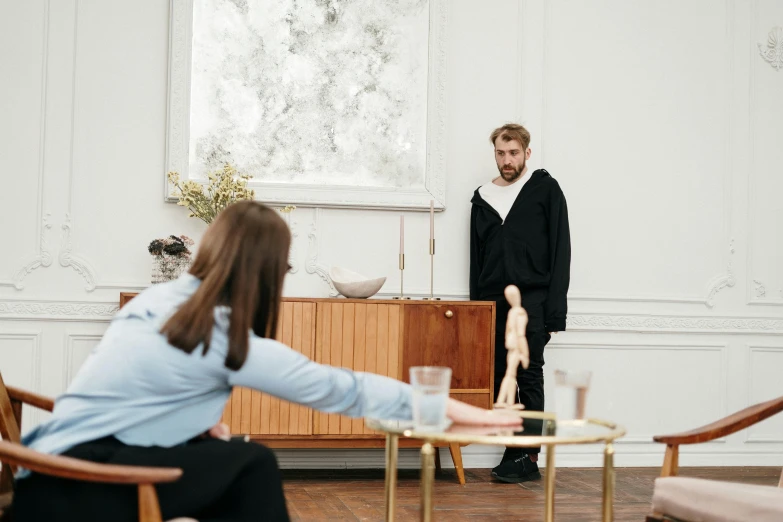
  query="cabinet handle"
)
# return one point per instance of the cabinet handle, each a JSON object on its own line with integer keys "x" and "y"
{"x": 449, "y": 314}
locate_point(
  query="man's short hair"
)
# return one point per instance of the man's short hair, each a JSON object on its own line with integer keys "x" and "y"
{"x": 511, "y": 132}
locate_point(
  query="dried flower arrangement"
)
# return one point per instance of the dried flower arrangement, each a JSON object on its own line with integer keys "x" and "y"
{"x": 224, "y": 187}
{"x": 205, "y": 201}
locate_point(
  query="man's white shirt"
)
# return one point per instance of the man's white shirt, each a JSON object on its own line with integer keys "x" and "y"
{"x": 502, "y": 198}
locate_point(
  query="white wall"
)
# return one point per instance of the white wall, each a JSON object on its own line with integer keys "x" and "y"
{"x": 660, "y": 120}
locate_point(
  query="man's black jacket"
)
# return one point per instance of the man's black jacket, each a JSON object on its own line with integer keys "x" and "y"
{"x": 531, "y": 249}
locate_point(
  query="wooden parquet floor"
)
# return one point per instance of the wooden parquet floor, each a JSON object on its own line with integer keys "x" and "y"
{"x": 358, "y": 494}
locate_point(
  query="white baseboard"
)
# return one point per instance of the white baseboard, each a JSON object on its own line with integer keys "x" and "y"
{"x": 488, "y": 457}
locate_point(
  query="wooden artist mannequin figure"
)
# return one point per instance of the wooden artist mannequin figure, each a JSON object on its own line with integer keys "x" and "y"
{"x": 516, "y": 344}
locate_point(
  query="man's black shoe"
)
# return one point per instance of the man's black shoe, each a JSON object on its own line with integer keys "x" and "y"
{"x": 517, "y": 470}
{"x": 509, "y": 454}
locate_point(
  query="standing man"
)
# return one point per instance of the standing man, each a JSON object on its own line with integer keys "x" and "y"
{"x": 519, "y": 235}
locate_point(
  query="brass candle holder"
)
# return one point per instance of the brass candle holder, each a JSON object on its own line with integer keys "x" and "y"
{"x": 402, "y": 271}
{"x": 432, "y": 272}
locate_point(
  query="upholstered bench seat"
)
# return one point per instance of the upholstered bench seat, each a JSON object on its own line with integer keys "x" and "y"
{"x": 700, "y": 500}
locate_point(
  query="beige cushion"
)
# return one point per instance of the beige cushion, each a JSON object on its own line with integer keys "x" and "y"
{"x": 700, "y": 500}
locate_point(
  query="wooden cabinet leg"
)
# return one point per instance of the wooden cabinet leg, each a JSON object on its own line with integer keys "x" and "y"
{"x": 456, "y": 456}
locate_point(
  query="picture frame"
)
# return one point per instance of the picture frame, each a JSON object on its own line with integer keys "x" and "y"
{"x": 380, "y": 192}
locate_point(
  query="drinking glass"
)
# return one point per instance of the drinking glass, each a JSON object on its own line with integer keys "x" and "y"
{"x": 571, "y": 393}
{"x": 431, "y": 386}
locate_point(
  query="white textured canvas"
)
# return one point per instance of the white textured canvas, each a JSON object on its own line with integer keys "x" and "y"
{"x": 323, "y": 92}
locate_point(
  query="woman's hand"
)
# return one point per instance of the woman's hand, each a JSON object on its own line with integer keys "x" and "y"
{"x": 220, "y": 431}
{"x": 495, "y": 431}
{"x": 462, "y": 413}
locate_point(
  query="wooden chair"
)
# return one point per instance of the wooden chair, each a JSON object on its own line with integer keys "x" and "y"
{"x": 13, "y": 454}
{"x": 683, "y": 499}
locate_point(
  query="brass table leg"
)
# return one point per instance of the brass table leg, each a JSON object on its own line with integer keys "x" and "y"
{"x": 427, "y": 479}
{"x": 549, "y": 485}
{"x": 392, "y": 442}
{"x": 608, "y": 505}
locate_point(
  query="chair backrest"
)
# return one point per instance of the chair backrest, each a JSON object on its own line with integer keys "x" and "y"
{"x": 10, "y": 415}
{"x": 9, "y": 421}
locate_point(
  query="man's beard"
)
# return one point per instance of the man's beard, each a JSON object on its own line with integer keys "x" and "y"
{"x": 510, "y": 176}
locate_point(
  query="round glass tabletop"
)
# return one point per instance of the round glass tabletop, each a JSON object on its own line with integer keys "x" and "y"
{"x": 536, "y": 431}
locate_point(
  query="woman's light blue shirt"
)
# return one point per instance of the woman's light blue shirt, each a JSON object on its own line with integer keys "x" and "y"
{"x": 137, "y": 387}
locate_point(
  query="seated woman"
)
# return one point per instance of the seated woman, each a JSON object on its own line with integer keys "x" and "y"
{"x": 156, "y": 385}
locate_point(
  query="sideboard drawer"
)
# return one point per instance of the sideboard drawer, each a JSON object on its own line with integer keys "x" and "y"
{"x": 480, "y": 399}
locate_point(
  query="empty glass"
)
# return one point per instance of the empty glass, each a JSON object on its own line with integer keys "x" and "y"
{"x": 571, "y": 393}
{"x": 431, "y": 386}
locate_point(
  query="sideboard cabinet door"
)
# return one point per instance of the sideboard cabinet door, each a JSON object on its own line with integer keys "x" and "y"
{"x": 250, "y": 412}
{"x": 361, "y": 336}
{"x": 460, "y": 336}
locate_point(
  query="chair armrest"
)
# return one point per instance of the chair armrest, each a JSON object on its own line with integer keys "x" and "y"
{"x": 726, "y": 426}
{"x": 33, "y": 399}
{"x": 71, "y": 468}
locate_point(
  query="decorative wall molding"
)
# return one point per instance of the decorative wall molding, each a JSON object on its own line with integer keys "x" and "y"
{"x": 41, "y": 309}
{"x": 311, "y": 265}
{"x": 635, "y": 299}
{"x": 723, "y": 349}
{"x": 758, "y": 289}
{"x": 672, "y": 323}
{"x": 751, "y": 349}
{"x": 520, "y": 60}
{"x": 292, "y": 257}
{"x": 545, "y": 13}
{"x": 68, "y": 370}
{"x": 43, "y": 258}
{"x": 532, "y": 19}
{"x": 726, "y": 281}
{"x": 66, "y": 257}
{"x": 35, "y": 372}
{"x": 674, "y": 347}
{"x": 177, "y": 137}
{"x": 435, "y": 179}
{"x": 131, "y": 287}
{"x": 461, "y": 295}
{"x": 102, "y": 311}
{"x": 315, "y": 195}
{"x": 772, "y": 53}
{"x": 539, "y": 15}
{"x": 80, "y": 265}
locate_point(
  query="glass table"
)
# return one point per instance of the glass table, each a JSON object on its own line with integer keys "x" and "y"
{"x": 539, "y": 429}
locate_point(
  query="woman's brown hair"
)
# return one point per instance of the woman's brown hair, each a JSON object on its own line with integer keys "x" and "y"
{"x": 241, "y": 262}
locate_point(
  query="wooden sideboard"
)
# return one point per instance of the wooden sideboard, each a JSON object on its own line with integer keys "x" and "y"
{"x": 386, "y": 337}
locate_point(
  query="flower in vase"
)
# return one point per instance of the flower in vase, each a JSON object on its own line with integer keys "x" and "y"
{"x": 206, "y": 201}
{"x": 171, "y": 257}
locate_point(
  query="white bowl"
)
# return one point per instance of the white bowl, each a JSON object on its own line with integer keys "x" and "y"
{"x": 353, "y": 285}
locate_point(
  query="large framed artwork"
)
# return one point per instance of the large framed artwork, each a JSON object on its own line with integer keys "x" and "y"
{"x": 326, "y": 103}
